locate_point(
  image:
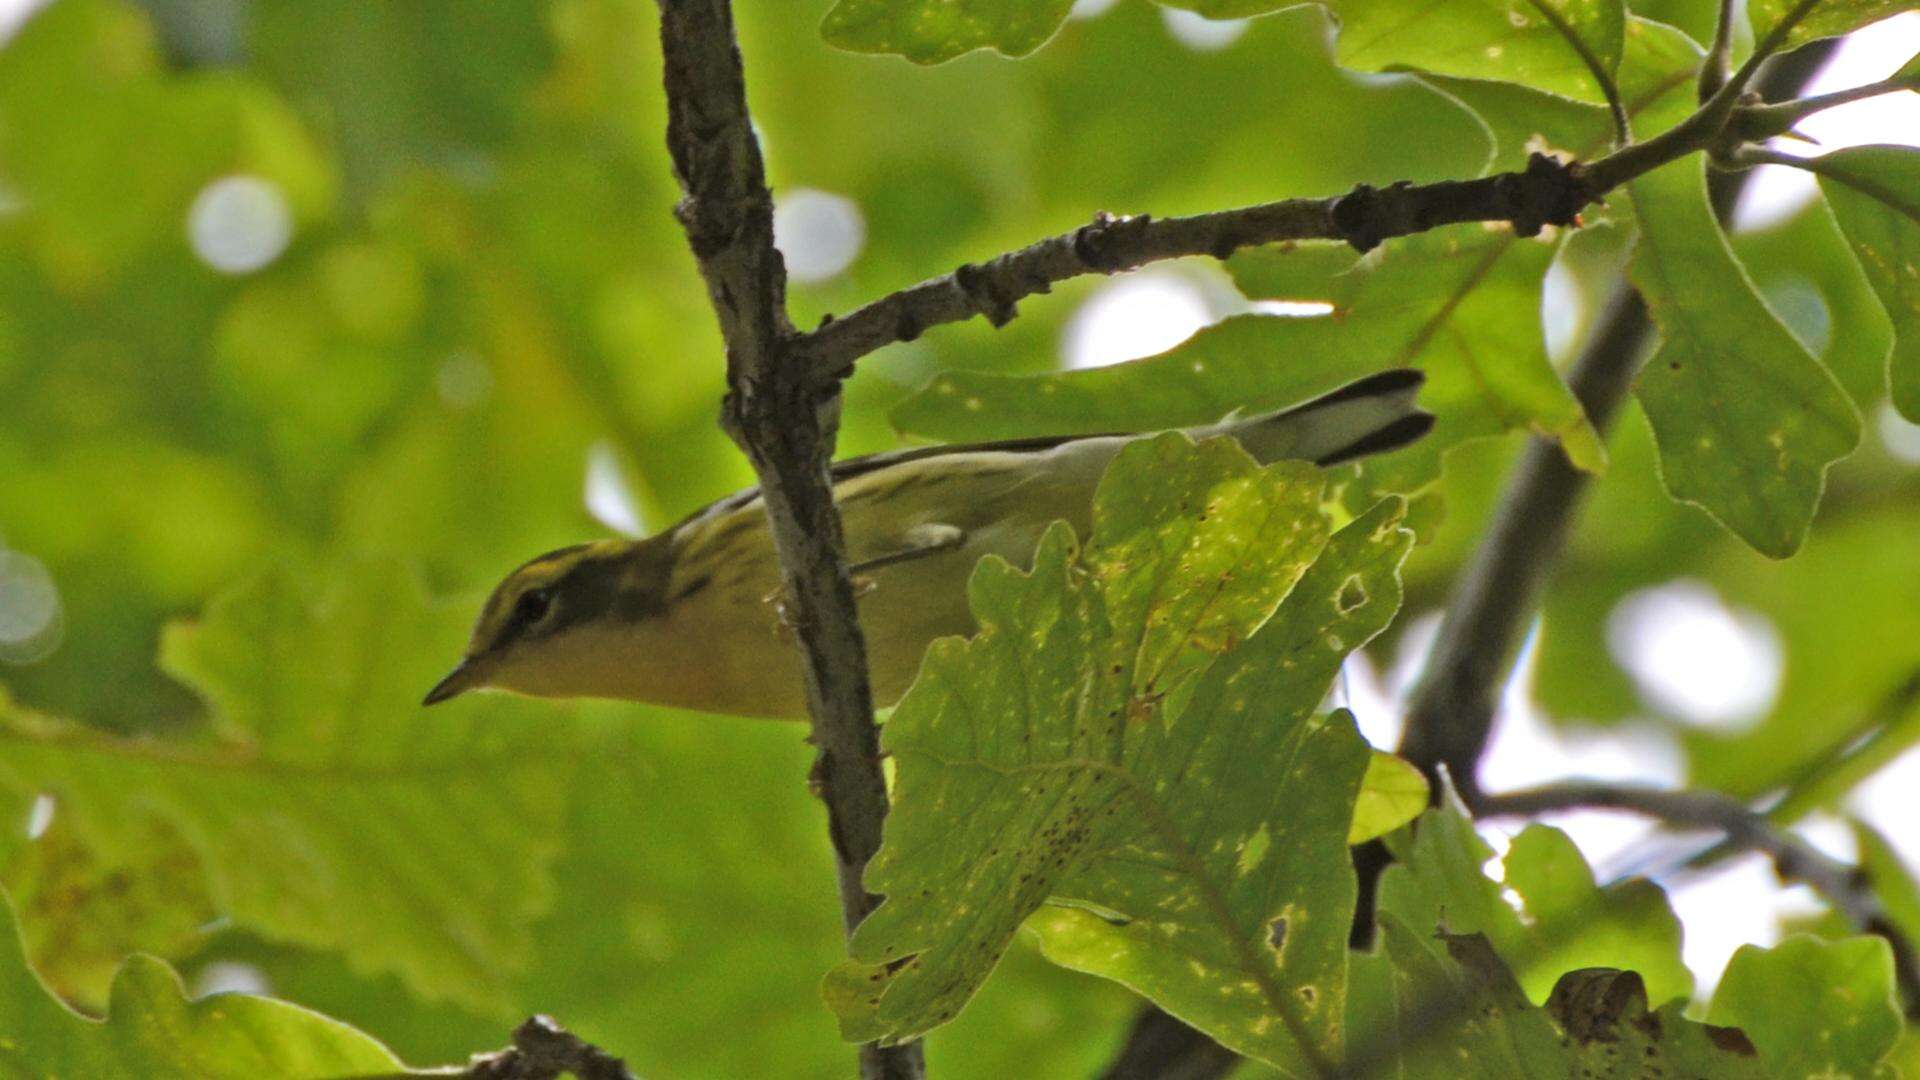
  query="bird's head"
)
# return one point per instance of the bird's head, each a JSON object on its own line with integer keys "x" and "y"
{"x": 544, "y": 628}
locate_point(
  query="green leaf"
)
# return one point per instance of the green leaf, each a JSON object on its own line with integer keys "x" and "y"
{"x": 1392, "y": 793}
{"x": 1444, "y": 302}
{"x": 1890, "y": 879}
{"x": 1565, "y": 922}
{"x": 1813, "y": 1007}
{"x": 1561, "y": 46}
{"x": 1422, "y": 1005}
{"x": 1810, "y": 274}
{"x": 1747, "y": 419}
{"x": 1573, "y": 923}
{"x": 1092, "y": 746}
{"x": 930, "y": 31}
{"x": 154, "y": 1031}
{"x": 335, "y": 813}
{"x": 1812, "y": 19}
{"x": 1875, "y": 193}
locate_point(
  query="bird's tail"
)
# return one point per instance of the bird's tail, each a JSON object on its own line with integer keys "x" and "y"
{"x": 1368, "y": 416}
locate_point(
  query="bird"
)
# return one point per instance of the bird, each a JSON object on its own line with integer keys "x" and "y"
{"x": 691, "y": 617}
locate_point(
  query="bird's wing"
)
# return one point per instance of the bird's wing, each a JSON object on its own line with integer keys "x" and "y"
{"x": 852, "y": 468}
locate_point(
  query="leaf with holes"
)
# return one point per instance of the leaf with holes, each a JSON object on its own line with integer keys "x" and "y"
{"x": 154, "y": 1030}
{"x": 1115, "y": 742}
{"x": 1875, "y": 193}
{"x": 1747, "y": 419}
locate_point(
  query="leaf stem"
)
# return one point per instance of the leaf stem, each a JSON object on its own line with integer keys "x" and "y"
{"x": 1602, "y": 77}
{"x": 1757, "y": 122}
{"x": 1908, "y": 206}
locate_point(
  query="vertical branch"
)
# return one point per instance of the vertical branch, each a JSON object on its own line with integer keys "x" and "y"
{"x": 785, "y": 421}
{"x": 1450, "y": 713}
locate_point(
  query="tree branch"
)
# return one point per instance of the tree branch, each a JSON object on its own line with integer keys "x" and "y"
{"x": 1547, "y": 192}
{"x": 1843, "y": 886}
{"x": 786, "y": 424}
{"x": 1450, "y": 712}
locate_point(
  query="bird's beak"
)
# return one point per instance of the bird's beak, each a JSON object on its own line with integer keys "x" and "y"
{"x": 458, "y": 681}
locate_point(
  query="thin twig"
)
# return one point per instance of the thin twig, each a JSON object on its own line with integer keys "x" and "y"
{"x": 1741, "y": 828}
{"x": 1901, "y": 202}
{"x": 1450, "y": 712}
{"x": 1842, "y": 885}
{"x": 786, "y": 423}
{"x": 1757, "y": 122}
{"x": 1547, "y": 192}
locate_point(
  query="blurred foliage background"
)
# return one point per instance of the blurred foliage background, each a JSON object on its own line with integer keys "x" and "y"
{"x": 317, "y": 315}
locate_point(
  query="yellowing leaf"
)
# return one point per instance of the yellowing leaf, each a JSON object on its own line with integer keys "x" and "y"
{"x": 1187, "y": 820}
{"x": 1392, "y": 793}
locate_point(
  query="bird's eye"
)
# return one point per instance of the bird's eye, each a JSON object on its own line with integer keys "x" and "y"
{"x": 532, "y": 606}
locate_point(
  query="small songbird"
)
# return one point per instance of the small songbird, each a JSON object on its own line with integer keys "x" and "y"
{"x": 691, "y": 618}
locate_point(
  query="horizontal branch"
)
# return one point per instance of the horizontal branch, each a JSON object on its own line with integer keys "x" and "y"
{"x": 1547, "y": 192}
{"x": 1842, "y": 885}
